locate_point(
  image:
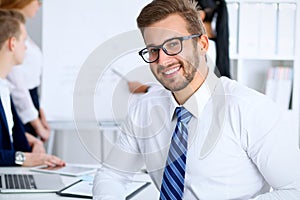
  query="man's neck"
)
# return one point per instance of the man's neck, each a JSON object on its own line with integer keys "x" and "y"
{"x": 5, "y": 66}
{"x": 183, "y": 95}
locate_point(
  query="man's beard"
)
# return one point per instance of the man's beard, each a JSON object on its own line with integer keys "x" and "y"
{"x": 189, "y": 71}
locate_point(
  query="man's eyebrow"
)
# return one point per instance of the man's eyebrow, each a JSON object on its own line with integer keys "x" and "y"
{"x": 152, "y": 45}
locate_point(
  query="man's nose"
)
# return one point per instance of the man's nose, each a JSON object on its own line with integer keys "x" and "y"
{"x": 163, "y": 58}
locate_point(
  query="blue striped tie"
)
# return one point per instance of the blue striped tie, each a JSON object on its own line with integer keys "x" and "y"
{"x": 173, "y": 178}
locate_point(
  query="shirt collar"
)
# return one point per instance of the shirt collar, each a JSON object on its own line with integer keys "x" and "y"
{"x": 4, "y": 83}
{"x": 196, "y": 103}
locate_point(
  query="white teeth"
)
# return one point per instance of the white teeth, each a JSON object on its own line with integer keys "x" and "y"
{"x": 171, "y": 71}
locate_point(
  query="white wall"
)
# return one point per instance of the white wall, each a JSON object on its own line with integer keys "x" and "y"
{"x": 71, "y": 32}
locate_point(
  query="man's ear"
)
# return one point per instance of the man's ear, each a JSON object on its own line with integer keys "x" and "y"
{"x": 11, "y": 43}
{"x": 203, "y": 43}
{"x": 202, "y": 14}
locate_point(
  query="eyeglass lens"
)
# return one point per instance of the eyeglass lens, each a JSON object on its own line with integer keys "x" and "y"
{"x": 170, "y": 47}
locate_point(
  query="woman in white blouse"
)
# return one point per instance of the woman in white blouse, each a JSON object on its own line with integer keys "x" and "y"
{"x": 26, "y": 78}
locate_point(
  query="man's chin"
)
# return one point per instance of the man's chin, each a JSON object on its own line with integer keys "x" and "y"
{"x": 176, "y": 88}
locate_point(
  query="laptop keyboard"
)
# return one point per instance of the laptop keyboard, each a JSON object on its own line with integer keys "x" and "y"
{"x": 19, "y": 181}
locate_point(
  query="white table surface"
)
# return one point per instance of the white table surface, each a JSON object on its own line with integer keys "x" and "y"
{"x": 149, "y": 193}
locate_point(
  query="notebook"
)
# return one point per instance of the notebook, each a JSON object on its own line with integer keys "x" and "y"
{"x": 83, "y": 189}
{"x": 30, "y": 183}
{"x": 69, "y": 169}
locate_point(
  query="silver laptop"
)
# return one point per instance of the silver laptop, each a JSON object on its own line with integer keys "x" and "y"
{"x": 30, "y": 183}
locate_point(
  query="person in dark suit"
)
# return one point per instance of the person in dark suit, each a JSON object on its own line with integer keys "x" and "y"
{"x": 20, "y": 143}
{"x": 16, "y": 146}
{"x": 26, "y": 78}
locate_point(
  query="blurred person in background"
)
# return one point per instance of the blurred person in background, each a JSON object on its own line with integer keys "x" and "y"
{"x": 16, "y": 146}
{"x": 26, "y": 78}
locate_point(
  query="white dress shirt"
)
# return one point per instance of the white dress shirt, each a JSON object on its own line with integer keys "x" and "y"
{"x": 211, "y": 55}
{"x": 5, "y": 99}
{"x": 24, "y": 77}
{"x": 238, "y": 145}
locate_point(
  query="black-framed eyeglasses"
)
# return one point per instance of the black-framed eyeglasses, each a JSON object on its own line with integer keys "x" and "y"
{"x": 171, "y": 47}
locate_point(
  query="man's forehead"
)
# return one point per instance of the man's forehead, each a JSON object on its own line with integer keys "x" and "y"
{"x": 159, "y": 35}
{"x": 172, "y": 26}
{"x": 156, "y": 36}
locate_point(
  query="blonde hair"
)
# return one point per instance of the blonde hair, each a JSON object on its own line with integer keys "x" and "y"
{"x": 14, "y": 14}
{"x": 9, "y": 27}
{"x": 14, "y": 4}
{"x": 10, "y": 21}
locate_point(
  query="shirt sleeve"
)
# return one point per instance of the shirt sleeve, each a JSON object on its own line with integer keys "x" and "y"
{"x": 273, "y": 147}
{"x": 105, "y": 180}
{"x": 21, "y": 97}
{"x": 122, "y": 163}
{"x": 7, "y": 157}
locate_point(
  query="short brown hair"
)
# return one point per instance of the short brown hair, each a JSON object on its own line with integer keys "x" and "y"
{"x": 160, "y": 9}
{"x": 14, "y": 4}
{"x": 12, "y": 13}
{"x": 9, "y": 27}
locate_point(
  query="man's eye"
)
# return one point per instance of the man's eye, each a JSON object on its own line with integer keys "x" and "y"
{"x": 153, "y": 51}
{"x": 173, "y": 44}
{"x": 145, "y": 52}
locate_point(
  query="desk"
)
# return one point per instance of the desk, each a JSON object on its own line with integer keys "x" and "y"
{"x": 149, "y": 193}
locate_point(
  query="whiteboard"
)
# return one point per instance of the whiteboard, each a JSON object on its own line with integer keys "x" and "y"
{"x": 73, "y": 34}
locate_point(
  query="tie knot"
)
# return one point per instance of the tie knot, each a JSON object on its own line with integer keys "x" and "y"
{"x": 183, "y": 115}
